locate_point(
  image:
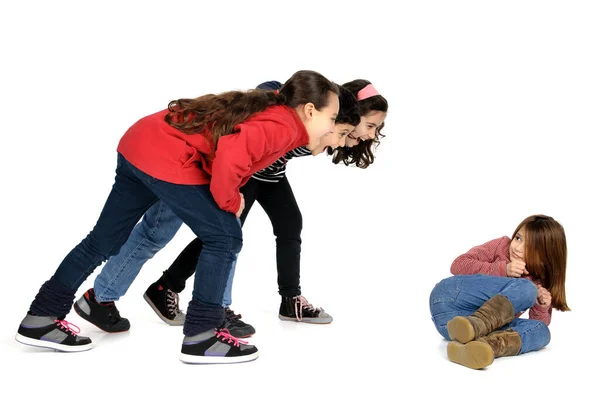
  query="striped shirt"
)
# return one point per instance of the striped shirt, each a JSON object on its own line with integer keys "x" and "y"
{"x": 276, "y": 171}
{"x": 491, "y": 259}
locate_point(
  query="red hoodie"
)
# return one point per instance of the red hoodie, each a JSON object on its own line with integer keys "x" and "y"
{"x": 170, "y": 155}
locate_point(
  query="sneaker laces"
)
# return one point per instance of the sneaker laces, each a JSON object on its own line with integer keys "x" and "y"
{"x": 231, "y": 316}
{"x": 224, "y": 334}
{"x": 173, "y": 303}
{"x": 67, "y": 327}
{"x": 301, "y": 304}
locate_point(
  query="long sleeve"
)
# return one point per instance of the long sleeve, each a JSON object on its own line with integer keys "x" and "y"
{"x": 490, "y": 258}
{"x": 540, "y": 313}
{"x": 254, "y": 142}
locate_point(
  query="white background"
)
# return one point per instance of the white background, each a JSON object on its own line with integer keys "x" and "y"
{"x": 493, "y": 110}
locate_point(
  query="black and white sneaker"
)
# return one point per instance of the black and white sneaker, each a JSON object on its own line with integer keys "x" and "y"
{"x": 50, "y": 332}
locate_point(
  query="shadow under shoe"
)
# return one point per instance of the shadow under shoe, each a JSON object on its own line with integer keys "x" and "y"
{"x": 165, "y": 304}
{"x": 480, "y": 353}
{"x": 493, "y": 314}
{"x": 104, "y": 316}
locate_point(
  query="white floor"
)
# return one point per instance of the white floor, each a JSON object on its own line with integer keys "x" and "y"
{"x": 493, "y": 117}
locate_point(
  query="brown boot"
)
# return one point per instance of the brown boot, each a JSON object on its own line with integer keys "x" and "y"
{"x": 493, "y": 314}
{"x": 481, "y": 353}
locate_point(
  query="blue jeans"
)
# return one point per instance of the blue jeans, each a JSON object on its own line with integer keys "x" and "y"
{"x": 132, "y": 194}
{"x": 153, "y": 233}
{"x": 463, "y": 295}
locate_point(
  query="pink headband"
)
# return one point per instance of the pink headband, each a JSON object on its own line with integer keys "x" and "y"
{"x": 367, "y": 92}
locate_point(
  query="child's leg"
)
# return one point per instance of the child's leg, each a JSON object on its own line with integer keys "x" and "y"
{"x": 462, "y": 295}
{"x": 184, "y": 265}
{"x": 205, "y": 340}
{"x": 279, "y": 202}
{"x": 128, "y": 201}
{"x": 534, "y": 334}
{"x": 158, "y": 226}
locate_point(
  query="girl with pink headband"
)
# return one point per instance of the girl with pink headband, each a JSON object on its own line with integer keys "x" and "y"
{"x": 363, "y": 140}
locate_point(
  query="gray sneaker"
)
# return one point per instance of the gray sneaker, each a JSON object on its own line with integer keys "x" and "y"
{"x": 50, "y": 332}
{"x": 216, "y": 346}
{"x": 298, "y": 309}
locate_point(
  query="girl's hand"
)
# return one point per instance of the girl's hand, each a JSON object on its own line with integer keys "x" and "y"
{"x": 516, "y": 268}
{"x": 544, "y": 297}
{"x": 242, "y": 205}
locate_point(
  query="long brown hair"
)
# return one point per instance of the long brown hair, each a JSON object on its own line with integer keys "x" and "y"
{"x": 546, "y": 255}
{"x": 362, "y": 154}
{"x": 222, "y": 112}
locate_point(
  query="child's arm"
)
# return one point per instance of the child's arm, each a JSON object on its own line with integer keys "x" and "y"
{"x": 541, "y": 313}
{"x": 484, "y": 259}
{"x": 252, "y": 141}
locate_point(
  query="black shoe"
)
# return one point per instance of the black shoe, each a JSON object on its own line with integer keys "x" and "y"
{"x": 216, "y": 346}
{"x": 103, "y": 315}
{"x": 49, "y": 332}
{"x": 165, "y": 303}
{"x": 235, "y": 325}
{"x": 298, "y": 309}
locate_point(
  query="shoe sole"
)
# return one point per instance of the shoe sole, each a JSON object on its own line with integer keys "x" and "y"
{"x": 49, "y": 344}
{"x": 88, "y": 318}
{"x": 460, "y": 329}
{"x": 165, "y": 320}
{"x": 197, "y": 359}
{"x": 474, "y": 355}
{"x": 320, "y": 321}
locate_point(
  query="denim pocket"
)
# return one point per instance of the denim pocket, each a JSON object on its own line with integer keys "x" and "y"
{"x": 446, "y": 291}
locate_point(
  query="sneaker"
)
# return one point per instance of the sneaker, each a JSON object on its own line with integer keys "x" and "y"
{"x": 298, "y": 309}
{"x": 165, "y": 303}
{"x": 105, "y": 316}
{"x": 216, "y": 346}
{"x": 235, "y": 325}
{"x": 50, "y": 332}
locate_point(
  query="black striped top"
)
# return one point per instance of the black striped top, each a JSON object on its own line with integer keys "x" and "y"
{"x": 276, "y": 171}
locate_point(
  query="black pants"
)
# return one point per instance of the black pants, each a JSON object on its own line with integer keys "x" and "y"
{"x": 278, "y": 201}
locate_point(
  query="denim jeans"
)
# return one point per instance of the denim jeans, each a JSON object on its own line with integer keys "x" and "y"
{"x": 462, "y": 295}
{"x": 149, "y": 236}
{"x": 132, "y": 194}
{"x": 278, "y": 201}
{"x": 154, "y": 232}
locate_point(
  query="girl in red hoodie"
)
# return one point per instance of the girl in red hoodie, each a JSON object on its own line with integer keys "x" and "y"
{"x": 194, "y": 156}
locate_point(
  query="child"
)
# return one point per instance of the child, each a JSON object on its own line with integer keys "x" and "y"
{"x": 272, "y": 190}
{"x": 497, "y": 280}
{"x": 193, "y": 156}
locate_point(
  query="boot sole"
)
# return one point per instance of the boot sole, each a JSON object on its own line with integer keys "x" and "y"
{"x": 161, "y": 316}
{"x": 474, "y": 355}
{"x": 49, "y": 344}
{"x": 460, "y": 329}
{"x": 198, "y": 359}
{"x": 88, "y": 318}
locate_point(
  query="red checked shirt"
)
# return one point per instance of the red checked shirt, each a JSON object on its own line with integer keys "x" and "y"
{"x": 491, "y": 259}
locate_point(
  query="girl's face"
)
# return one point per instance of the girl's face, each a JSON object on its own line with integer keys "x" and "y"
{"x": 367, "y": 127}
{"x": 334, "y": 139}
{"x": 320, "y": 122}
{"x": 517, "y": 246}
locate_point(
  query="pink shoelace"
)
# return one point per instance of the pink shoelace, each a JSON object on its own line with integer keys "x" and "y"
{"x": 301, "y": 303}
{"x": 225, "y": 335}
{"x": 68, "y": 327}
